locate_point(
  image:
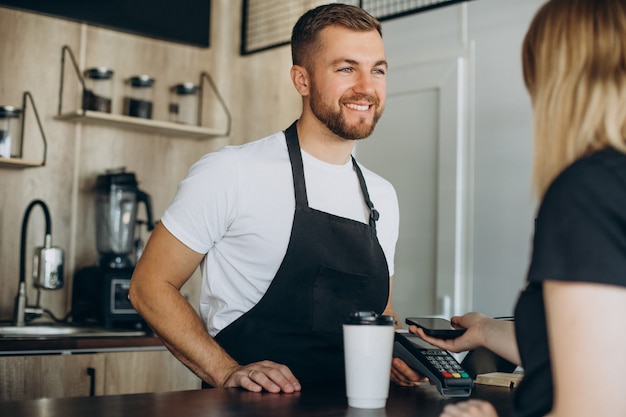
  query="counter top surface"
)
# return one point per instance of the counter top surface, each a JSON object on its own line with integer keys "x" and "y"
{"x": 51, "y": 345}
{"x": 313, "y": 401}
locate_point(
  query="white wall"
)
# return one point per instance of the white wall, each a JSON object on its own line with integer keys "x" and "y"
{"x": 489, "y": 33}
{"x": 504, "y": 207}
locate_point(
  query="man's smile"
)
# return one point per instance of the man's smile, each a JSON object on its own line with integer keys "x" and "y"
{"x": 360, "y": 107}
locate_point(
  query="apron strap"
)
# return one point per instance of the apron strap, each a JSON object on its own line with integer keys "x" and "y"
{"x": 374, "y": 215}
{"x": 297, "y": 169}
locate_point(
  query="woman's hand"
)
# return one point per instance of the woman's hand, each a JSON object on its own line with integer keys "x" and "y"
{"x": 474, "y": 337}
{"x": 471, "y": 408}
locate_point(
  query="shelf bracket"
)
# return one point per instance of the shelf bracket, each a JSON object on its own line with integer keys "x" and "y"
{"x": 25, "y": 98}
{"x": 67, "y": 49}
{"x": 206, "y": 76}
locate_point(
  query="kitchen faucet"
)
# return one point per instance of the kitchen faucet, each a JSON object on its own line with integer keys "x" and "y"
{"x": 47, "y": 269}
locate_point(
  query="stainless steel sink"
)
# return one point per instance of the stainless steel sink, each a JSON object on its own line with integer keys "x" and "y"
{"x": 53, "y": 330}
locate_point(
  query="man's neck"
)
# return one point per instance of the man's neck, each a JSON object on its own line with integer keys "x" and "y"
{"x": 319, "y": 142}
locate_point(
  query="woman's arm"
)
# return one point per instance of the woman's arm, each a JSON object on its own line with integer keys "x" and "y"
{"x": 587, "y": 336}
{"x": 496, "y": 335}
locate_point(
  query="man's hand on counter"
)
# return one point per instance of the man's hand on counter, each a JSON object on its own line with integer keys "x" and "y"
{"x": 268, "y": 375}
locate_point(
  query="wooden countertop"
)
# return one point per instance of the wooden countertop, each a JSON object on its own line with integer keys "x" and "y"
{"x": 50, "y": 345}
{"x": 317, "y": 400}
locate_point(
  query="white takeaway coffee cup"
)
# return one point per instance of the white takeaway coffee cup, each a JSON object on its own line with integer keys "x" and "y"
{"x": 368, "y": 350}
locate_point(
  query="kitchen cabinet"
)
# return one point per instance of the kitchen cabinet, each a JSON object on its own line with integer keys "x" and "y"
{"x": 147, "y": 371}
{"x": 51, "y": 376}
{"x": 105, "y": 373}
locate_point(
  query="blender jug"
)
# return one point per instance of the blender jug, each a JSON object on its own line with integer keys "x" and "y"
{"x": 117, "y": 200}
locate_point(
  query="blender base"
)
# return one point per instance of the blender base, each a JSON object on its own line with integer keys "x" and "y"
{"x": 100, "y": 297}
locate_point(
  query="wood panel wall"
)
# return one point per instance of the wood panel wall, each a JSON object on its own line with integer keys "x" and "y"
{"x": 256, "y": 88}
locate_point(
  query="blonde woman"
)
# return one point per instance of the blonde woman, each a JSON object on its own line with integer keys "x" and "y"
{"x": 570, "y": 320}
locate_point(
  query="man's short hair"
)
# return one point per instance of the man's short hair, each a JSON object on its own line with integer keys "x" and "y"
{"x": 305, "y": 35}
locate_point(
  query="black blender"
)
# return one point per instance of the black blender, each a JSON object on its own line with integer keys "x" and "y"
{"x": 100, "y": 292}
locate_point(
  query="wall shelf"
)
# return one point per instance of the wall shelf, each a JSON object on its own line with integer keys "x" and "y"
{"x": 18, "y": 163}
{"x": 136, "y": 123}
{"x": 198, "y": 131}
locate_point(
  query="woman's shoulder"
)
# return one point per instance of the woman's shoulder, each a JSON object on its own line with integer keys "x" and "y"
{"x": 592, "y": 176}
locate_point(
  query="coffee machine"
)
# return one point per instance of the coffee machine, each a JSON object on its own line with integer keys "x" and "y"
{"x": 100, "y": 292}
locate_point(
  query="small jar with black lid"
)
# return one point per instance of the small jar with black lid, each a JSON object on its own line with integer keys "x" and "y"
{"x": 10, "y": 136}
{"x": 98, "y": 89}
{"x": 184, "y": 103}
{"x": 138, "y": 96}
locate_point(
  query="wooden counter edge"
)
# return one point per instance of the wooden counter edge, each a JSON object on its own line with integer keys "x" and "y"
{"x": 81, "y": 344}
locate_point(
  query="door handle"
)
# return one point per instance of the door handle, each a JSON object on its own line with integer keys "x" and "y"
{"x": 92, "y": 381}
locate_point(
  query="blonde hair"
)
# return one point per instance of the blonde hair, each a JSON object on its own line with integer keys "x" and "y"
{"x": 574, "y": 62}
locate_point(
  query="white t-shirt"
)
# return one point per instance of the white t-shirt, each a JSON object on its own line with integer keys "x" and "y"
{"x": 236, "y": 205}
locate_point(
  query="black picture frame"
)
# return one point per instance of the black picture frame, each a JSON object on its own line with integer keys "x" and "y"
{"x": 186, "y": 22}
{"x": 381, "y": 9}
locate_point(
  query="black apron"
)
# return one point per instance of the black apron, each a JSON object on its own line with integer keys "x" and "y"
{"x": 333, "y": 266}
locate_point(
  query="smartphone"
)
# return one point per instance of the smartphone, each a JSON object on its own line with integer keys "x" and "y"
{"x": 437, "y": 327}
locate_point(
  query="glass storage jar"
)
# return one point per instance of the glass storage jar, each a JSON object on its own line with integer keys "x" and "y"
{"x": 138, "y": 96}
{"x": 98, "y": 89}
{"x": 184, "y": 103}
{"x": 10, "y": 132}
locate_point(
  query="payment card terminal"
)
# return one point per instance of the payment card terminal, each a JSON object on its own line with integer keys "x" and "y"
{"x": 434, "y": 363}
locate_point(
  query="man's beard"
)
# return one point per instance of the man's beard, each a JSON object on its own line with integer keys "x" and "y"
{"x": 335, "y": 121}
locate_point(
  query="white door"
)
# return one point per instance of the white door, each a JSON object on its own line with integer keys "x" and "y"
{"x": 420, "y": 146}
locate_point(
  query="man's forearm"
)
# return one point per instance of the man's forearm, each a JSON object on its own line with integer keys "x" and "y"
{"x": 181, "y": 330}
